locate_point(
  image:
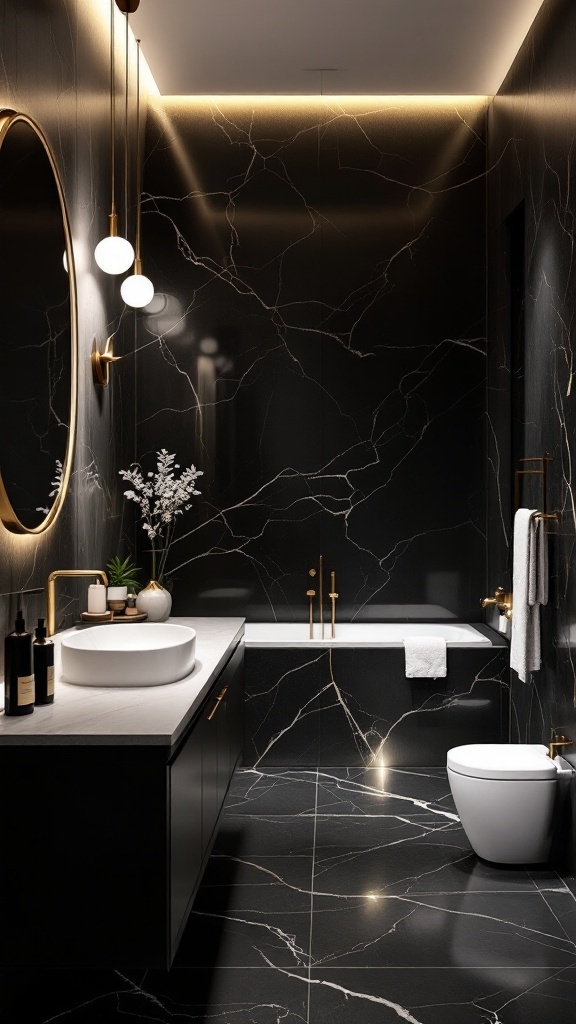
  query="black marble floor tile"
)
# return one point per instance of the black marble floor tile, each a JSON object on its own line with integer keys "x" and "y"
{"x": 274, "y": 931}
{"x": 383, "y": 790}
{"x": 188, "y": 996}
{"x": 81, "y": 997}
{"x": 377, "y": 895}
{"x": 272, "y": 791}
{"x": 562, "y": 903}
{"x": 242, "y": 835}
{"x": 547, "y": 878}
{"x": 480, "y": 996}
{"x": 231, "y": 996}
{"x": 250, "y": 913}
{"x": 233, "y": 875}
{"x": 397, "y": 854}
{"x": 476, "y": 930}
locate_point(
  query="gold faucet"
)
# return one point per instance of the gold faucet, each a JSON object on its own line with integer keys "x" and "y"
{"x": 502, "y": 600}
{"x": 51, "y": 591}
{"x": 557, "y": 741}
{"x": 333, "y": 597}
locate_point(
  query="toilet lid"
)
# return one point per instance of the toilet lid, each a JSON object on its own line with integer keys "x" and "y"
{"x": 502, "y": 761}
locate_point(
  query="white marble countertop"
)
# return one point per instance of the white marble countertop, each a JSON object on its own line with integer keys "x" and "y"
{"x": 144, "y": 715}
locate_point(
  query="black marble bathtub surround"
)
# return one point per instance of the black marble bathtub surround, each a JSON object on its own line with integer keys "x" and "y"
{"x": 318, "y": 350}
{"x": 355, "y": 706}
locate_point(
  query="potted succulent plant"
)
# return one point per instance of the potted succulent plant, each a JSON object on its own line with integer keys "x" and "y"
{"x": 122, "y": 575}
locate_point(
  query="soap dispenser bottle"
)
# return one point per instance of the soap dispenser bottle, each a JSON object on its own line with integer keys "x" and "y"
{"x": 18, "y": 677}
{"x": 43, "y": 665}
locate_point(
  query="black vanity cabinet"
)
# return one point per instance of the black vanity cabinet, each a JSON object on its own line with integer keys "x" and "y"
{"x": 199, "y": 776}
{"x": 102, "y": 847}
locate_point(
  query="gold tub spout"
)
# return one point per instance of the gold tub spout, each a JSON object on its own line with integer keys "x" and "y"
{"x": 51, "y": 591}
{"x": 333, "y": 597}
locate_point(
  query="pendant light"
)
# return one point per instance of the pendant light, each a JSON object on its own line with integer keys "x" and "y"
{"x": 113, "y": 254}
{"x": 137, "y": 290}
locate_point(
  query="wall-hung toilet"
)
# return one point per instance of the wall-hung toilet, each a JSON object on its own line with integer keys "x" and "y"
{"x": 505, "y": 794}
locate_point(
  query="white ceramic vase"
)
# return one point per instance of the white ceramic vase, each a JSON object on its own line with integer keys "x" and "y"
{"x": 156, "y": 601}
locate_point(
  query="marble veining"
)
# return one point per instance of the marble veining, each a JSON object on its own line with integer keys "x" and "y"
{"x": 354, "y": 706}
{"x": 349, "y": 895}
{"x": 317, "y": 347}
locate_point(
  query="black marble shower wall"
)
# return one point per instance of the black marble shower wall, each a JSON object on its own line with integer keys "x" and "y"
{"x": 55, "y": 67}
{"x": 531, "y": 410}
{"x": 318, "y": 350}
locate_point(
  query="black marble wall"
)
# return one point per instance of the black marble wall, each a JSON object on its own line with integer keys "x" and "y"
{"x": 55, "y": 67}
{"x": 318, "y": 350}
{"x": 532, "y": 297}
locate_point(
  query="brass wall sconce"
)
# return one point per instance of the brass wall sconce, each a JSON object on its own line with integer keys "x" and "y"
{"x": 101, "y": 363}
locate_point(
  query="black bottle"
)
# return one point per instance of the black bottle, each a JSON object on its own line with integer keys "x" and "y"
{"x": 18, "y": 678}
{"x": 43, "y": 665}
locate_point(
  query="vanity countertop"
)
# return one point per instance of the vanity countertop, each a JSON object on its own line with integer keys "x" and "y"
{"x": 147, "y": 715}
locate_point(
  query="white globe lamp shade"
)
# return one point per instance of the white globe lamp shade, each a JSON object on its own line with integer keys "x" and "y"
{"x": 137, "y": 290}
{"x": 114, "y": 255}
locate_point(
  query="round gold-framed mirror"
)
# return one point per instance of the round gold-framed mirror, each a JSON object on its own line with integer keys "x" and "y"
{"x": 38, "y": 330}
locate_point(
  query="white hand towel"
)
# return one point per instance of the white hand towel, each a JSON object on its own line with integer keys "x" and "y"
{"x": 425, "y": 657}
{"x": 530, "y": 590}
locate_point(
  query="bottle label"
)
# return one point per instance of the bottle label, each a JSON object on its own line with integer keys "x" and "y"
{"x": 50, "y": 680}
{"x": 25, "y": 690}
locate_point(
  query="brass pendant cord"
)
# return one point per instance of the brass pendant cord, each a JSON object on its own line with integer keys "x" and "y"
{"x": 137, "y": 262}
{"x": 126, "y": 48}
{"x": 112, "y": 114}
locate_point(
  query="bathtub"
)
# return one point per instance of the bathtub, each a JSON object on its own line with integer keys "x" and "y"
{"x": 347, "y": 702}
{"x": 359, "y": 634}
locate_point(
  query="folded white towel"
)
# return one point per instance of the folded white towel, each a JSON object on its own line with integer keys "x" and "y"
{"x": 425, "y": 657}
{"x": 530, "y": 589}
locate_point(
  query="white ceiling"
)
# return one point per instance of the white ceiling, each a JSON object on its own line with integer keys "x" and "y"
{"x": 379, "y": 47}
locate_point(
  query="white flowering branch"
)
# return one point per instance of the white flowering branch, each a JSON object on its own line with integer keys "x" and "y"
{"x": 162, "y": 497}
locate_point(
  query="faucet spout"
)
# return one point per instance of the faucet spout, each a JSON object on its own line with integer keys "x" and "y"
{"x": 51, "y": 591}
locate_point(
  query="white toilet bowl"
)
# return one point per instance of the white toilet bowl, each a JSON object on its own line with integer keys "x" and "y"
{"x": 505, "y": 794}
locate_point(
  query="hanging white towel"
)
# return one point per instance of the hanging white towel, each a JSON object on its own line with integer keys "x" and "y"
{"x": 425, "y": 657}
{"x": 530, "y": 590}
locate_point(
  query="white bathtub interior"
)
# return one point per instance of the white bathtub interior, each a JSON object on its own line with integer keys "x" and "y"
{"x": 359, "y": 634}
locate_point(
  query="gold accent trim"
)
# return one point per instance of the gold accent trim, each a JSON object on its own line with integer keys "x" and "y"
{"x": 51, "y": 591}
{"x": 7, "y": 514}
{"x": 101, "y": 362}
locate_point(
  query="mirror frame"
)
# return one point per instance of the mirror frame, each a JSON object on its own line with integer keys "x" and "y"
{"x": 8, "y": 516}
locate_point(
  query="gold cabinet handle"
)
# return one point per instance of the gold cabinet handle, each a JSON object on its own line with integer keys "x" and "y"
{"x": 219, "y": 700}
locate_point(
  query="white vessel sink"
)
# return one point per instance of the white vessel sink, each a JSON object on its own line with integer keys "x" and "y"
{"x": 139, "y": 654}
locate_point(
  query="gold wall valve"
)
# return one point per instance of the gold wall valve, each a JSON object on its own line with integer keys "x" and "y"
{"x": 502, "y": 600}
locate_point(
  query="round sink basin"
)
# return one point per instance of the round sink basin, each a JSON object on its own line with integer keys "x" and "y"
{"x": 142, "y": 654}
